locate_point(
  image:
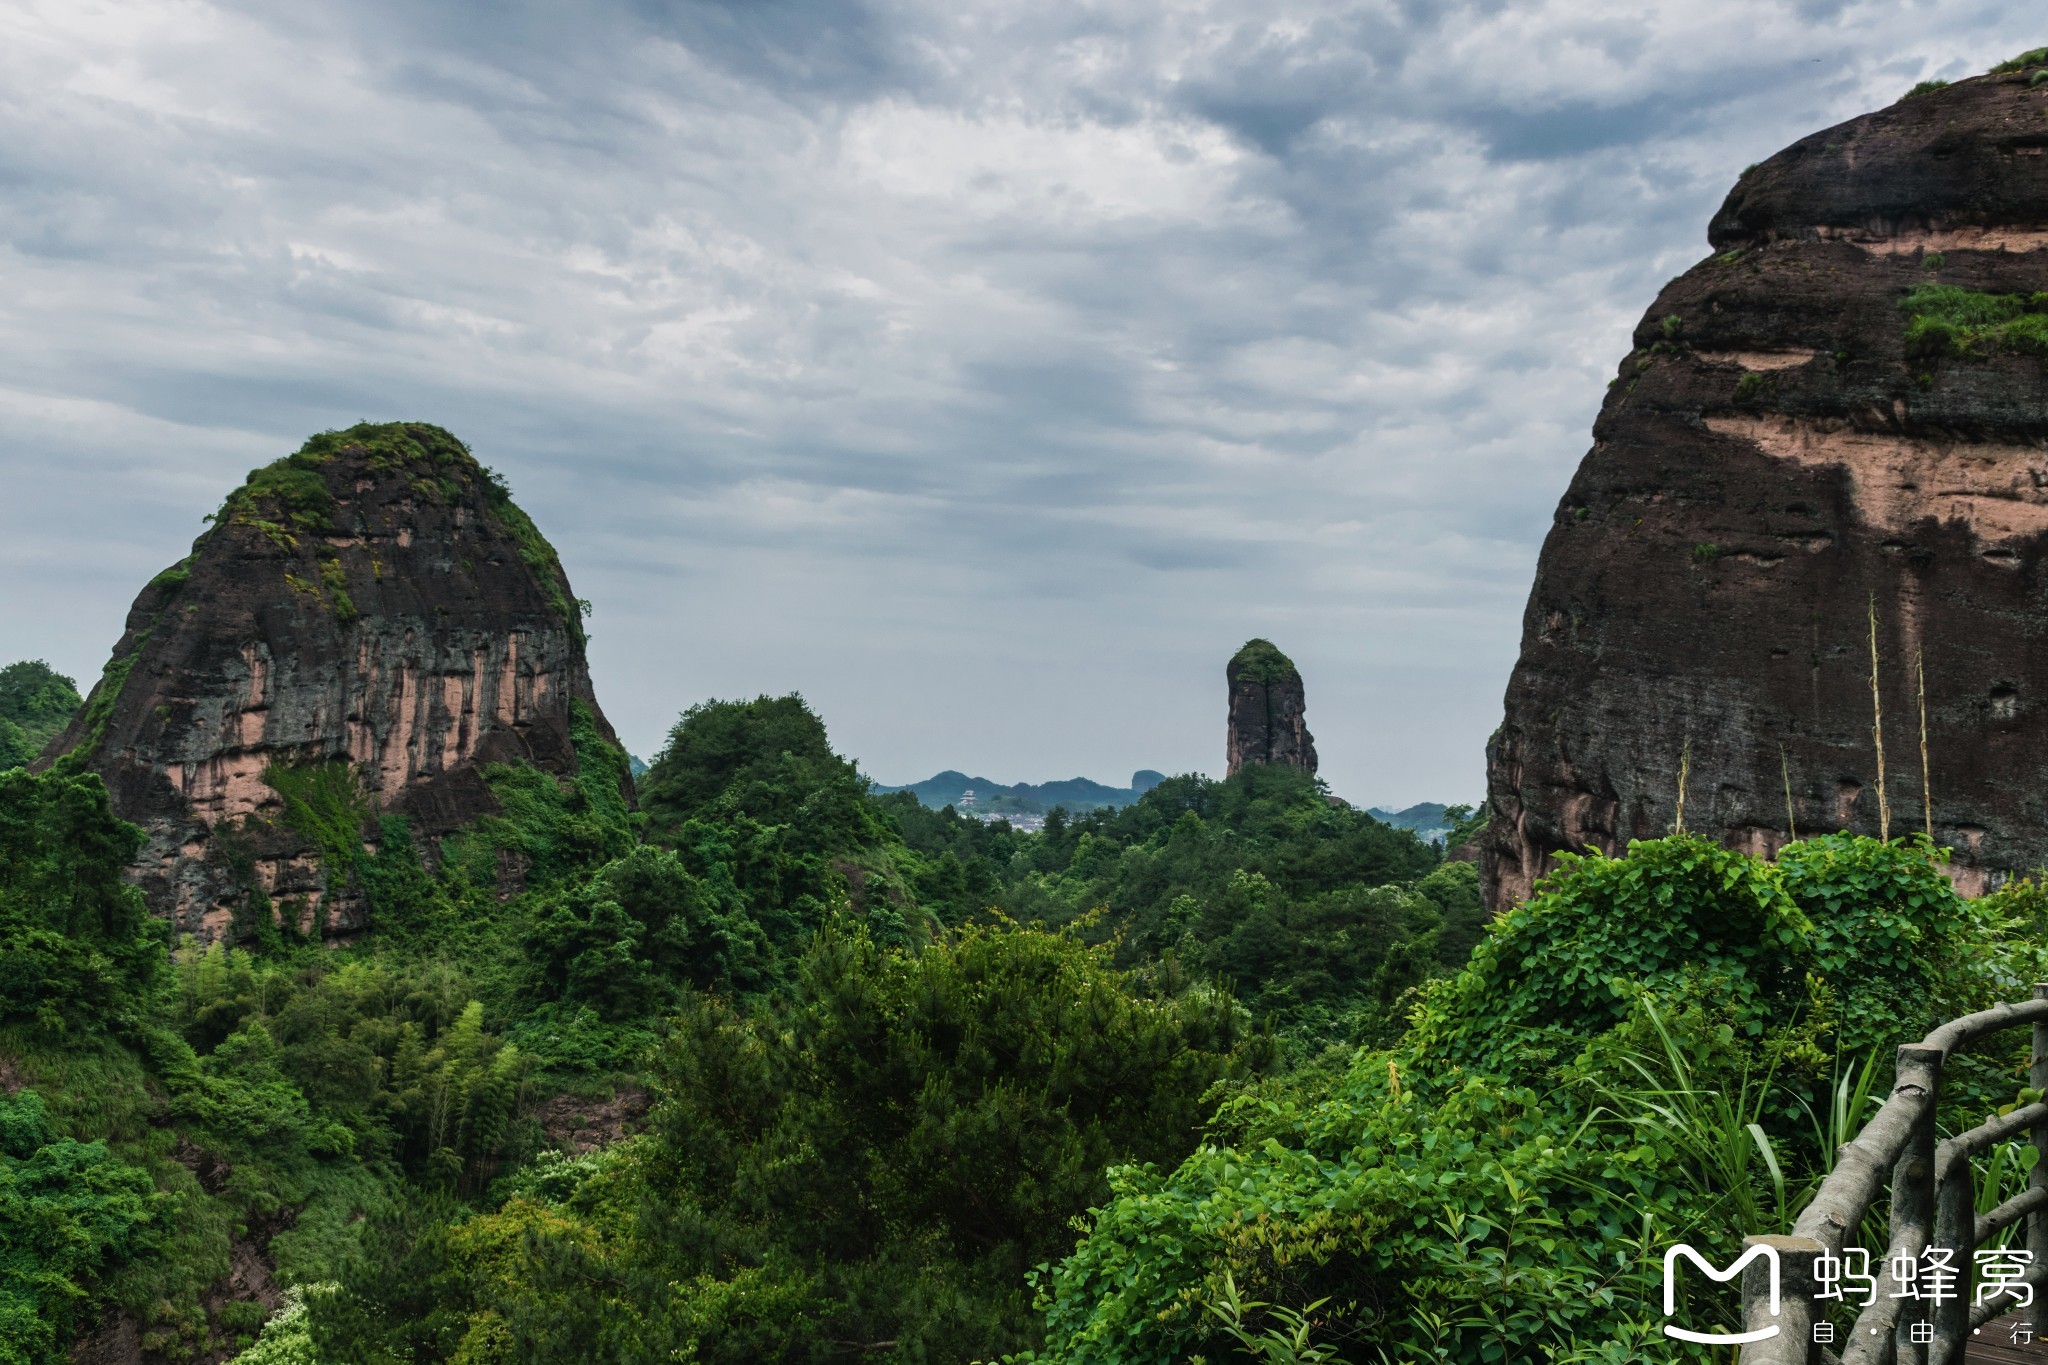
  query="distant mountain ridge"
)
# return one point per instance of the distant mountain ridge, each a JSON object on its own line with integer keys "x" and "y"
{"x": 1076, "y": 794}
{"x": 1426, "y": 818}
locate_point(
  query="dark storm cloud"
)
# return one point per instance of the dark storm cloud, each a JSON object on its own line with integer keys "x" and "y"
{"x": 986, "y": 371}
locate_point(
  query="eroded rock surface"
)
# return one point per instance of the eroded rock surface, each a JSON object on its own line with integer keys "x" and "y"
{"x": 1777, "y": 455}
{"x": 1267, "y": 704}
{"x": 375, "y": 598}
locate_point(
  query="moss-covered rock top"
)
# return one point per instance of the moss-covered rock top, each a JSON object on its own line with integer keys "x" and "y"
{"x": 1262, "y": 661}
{"x": 296, "y": 494}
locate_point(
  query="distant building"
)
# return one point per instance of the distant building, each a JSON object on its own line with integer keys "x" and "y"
{"x": 966, "y": 801}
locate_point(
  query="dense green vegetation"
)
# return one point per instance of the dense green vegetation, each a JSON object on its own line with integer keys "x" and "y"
{"x": 1943, "y": 320}
{"x": 36, "y": 703}
{"x": 1317, "y": 915}
{"x": 1075, "y": 795}
{"x": 1499, "y": 1185}
{"x": 1262, "y": 661}
{"x": 871, "y": 1163}
{"x": 1233, "y": 1063}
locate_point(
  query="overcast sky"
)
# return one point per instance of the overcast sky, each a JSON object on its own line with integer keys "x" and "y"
{"x": 987, "y": 372}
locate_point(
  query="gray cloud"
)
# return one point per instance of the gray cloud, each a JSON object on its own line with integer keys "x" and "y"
{"x": 986, "y": 371}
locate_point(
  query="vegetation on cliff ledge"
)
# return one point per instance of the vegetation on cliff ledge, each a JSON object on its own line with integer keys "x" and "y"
{"x": 1262, "y": 661}
{"x": 1943, "y": 320}
{"x": 2031, "y": 58}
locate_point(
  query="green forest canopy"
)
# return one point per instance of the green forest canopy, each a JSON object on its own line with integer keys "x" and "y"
{"x": 917, "y": 1087}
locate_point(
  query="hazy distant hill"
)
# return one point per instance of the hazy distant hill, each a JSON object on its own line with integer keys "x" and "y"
{"x": 1076, "y": 794}
{"x": 1426, "y": 818}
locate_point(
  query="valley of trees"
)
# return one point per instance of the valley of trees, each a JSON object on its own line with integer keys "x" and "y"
{"x": 772, "y": 1069}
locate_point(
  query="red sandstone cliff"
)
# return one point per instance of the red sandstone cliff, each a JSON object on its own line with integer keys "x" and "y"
{"x": 1777, "y": 454}
{"x": 375, "y": 598}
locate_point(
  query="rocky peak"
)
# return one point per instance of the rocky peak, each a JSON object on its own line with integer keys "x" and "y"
{"x": 372, "y": 612}
{"x": 1835, "y": 415}
{"x": 1267, "y": 703}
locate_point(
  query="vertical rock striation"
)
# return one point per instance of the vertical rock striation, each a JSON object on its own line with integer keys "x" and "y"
{"x": 376, "y": 599}
{"x": 1266, "y": 706}
{"x": 1843, "y": 409}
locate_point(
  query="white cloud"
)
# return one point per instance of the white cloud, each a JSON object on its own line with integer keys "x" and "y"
{"x": 987, "y": 371}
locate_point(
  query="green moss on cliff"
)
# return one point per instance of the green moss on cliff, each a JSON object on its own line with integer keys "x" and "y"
{"x": 99, "y": 707}
{"x": 326, "y": 803}
{"x": 1943, "y": 320}
{"x": 535, "y": 551}
{"x": 174, "y": 576}
{"x": 1262, "y": 661}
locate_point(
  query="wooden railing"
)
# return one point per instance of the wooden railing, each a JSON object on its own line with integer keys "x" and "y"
{"x": 1933, "y": 1203}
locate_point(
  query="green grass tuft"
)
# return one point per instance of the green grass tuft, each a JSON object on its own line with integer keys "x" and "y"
{"x": 2032, "y": 57}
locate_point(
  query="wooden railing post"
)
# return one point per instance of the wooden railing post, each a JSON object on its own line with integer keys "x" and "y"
{"x": 1913, "y": 1192}
{"x": 2037, "y": 1179}
{"x": 1796, "y": 1287}
{"x": 1933, "y": 1208}
{"x": 1955, "y": 1229}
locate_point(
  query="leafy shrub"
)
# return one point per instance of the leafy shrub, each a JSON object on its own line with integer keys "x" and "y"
{"x": 1458, "y": 1230}
{"x": 69, "y": 1211}
{"x": 1542, "y": 981}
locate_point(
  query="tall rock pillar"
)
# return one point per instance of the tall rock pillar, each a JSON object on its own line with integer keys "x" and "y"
{"x": 1266, "y": 707}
